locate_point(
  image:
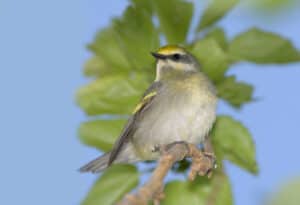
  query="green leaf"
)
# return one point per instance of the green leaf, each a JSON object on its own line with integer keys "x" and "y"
{"x": 108, "y": 49}
{"x": 212, "y": 58}
{"x": 271, "y": 7}
{"x": 235, "y": 143}
{"x": 200, "y": 192}
{"x": 95, "y": 67}
{"x": 219, "y": 36}
{"x": 287, "y": 193}
{"x": 263, "y": 47}
{"x": 143, "y": 4}
{"x": 233, "y": 92}
{"x": 215, "y": 11}
{"x": 137, "y": 36}
{"x": 101, "y": 134}
{"x": 115, "y": 94}
{"x": 174, "y": 17}
{"x": 125, "y": 45}
{"x": 113, "y": 184}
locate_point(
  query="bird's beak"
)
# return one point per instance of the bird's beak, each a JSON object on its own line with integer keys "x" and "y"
{"x": 158, "y": 56}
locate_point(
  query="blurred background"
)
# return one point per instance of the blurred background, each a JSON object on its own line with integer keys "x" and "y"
{"x": 42, "y": 51}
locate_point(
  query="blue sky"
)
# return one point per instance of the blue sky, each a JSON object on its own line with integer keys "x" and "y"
{"x": 42, "y": 49}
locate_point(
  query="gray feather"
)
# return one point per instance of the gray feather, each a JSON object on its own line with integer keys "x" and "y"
{"x": 96, "y": 165}
{"x": 99, "y": 164}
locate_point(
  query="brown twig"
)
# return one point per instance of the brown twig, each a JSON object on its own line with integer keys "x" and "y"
{"x": 202, "y": 164}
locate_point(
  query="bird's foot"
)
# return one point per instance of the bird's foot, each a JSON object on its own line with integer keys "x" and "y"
{"x": 212, "y": 157}
{"x": 203, "y": 163}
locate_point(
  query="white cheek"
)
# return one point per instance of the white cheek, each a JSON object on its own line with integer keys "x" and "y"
{"x": 159, "y": 66}
{"x": 167, "y": 63}
{"x": 162, "y": 63}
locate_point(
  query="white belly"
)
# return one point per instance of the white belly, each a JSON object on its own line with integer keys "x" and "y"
{"x": 185, "y": 124}
{"x": 174, "y": 122}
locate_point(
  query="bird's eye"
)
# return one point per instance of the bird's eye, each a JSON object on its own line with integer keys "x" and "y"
{"x": 176, "y": 56}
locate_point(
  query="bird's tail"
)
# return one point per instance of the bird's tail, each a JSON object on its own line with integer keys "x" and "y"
{"x": 127, "y": 155}
{"x": 96, "y": 165}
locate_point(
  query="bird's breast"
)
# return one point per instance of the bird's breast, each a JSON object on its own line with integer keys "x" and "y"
{"x": 184, "y": 114}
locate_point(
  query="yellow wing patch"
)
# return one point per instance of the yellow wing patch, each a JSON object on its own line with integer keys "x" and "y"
{"x": 144, "y": 101}
{"x": 170, "y": 49}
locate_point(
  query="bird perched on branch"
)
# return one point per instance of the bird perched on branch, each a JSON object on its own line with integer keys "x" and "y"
{"x": 180, "y": 105}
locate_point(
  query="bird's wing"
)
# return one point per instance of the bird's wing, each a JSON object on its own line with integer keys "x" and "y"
{"x": 131, "y": 125}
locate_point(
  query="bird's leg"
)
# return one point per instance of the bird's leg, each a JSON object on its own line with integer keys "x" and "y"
{"x": 169, "y": 146}
{"x": 165, "y": 148}
{"x": 209, "y": 151}
{"x": 203, "y": 162}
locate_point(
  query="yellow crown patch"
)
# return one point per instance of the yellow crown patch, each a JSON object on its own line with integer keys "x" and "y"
{"x": 171, "y": 49}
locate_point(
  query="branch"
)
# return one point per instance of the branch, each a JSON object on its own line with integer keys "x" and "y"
{"x": 202, "y": 164}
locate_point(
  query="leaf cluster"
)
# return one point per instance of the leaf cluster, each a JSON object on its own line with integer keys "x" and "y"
{"x": 121, "y": 69}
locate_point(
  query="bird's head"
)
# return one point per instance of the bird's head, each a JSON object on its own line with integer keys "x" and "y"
{"x": 174, "y": 60}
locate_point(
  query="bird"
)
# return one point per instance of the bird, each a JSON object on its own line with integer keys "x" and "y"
{"x": 180, "y": 105}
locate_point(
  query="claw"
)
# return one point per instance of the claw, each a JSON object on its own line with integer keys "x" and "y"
{"x": 203, "y": 165}
{"x": 212, "y": 159}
